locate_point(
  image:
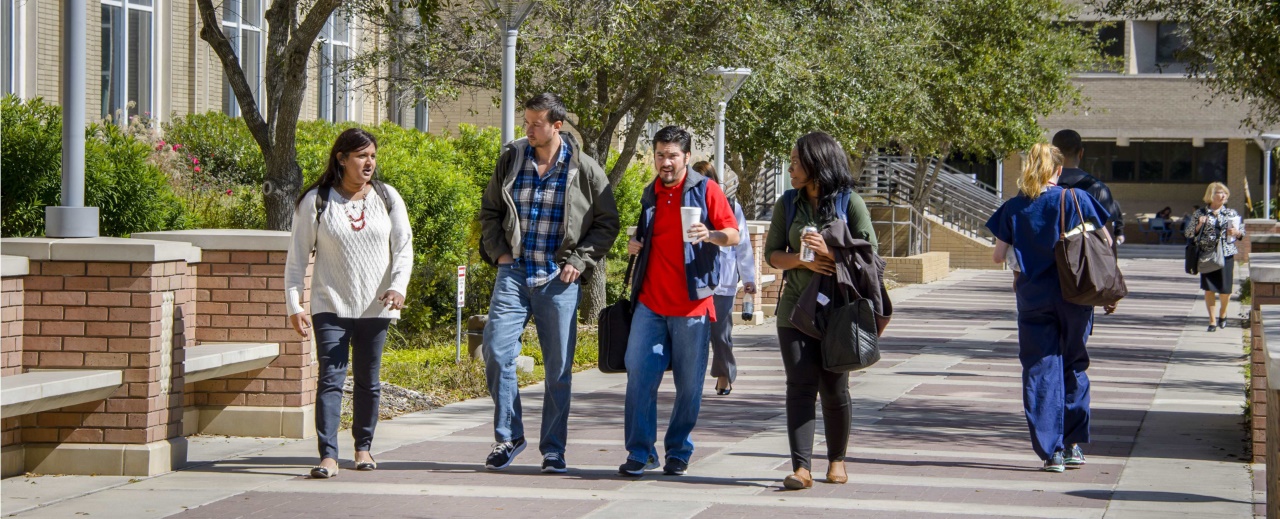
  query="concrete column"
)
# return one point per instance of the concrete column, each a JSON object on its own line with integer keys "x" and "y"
{"x": 72, "y": 219}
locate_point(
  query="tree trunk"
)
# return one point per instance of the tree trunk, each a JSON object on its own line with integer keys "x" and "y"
{"x": 281, "y": 187}
{"x": 593, "y": 296}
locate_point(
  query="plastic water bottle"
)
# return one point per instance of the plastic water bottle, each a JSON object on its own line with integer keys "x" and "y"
{"x": 806, "y": 253}
{"x": 747, "y": 307}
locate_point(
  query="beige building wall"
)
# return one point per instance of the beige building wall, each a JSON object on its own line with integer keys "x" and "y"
{"x": 475, "y": 108}
{"x": 48, "y": 50}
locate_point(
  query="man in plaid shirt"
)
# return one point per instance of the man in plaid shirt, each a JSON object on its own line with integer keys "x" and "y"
{"x": 547, "y": 217}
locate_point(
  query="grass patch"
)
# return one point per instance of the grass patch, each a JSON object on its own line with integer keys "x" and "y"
{"x": 427, "y": 365}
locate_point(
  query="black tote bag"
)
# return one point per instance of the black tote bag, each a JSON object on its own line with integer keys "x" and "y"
{"x": 852, "y": 337}
{"x": 615, "y": 328}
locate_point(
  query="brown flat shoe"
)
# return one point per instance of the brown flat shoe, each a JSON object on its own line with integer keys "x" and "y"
{"x": 839, "y": 478}
{"x": 798, "y": 481}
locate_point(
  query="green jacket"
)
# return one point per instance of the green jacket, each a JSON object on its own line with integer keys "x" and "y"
{"x": 590, "y": 218}
{"x": 779, "y": 239}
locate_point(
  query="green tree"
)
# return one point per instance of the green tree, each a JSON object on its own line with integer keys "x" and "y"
{"x": 620, "y": 65}
{"x": 1233, "y": 46}
{"x": 292, "y": 27}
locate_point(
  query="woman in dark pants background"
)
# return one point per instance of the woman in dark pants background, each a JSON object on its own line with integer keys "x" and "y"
{"x": 1208, "y": 226}
{"x": 363, "y": 254}
{"x": 819, "y": 171}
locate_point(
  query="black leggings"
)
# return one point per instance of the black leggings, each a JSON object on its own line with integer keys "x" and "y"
{"x": 802, "y": 359}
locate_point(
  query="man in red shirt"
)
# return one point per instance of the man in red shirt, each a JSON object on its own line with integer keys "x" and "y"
{"x": 675, "y": 276}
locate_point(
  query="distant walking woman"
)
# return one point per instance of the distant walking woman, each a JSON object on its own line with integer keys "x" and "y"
{"x": 358, "y": 228}
{"x": 1211, "y": 226}
{"x": 819, "y": 174}
{"x": 1051, "y": 331}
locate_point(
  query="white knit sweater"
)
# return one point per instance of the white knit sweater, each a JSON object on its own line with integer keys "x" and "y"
{"x": 352, "y": 268}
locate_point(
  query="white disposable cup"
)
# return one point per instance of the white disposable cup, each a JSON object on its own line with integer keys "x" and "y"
{"x": 688, "y": 217}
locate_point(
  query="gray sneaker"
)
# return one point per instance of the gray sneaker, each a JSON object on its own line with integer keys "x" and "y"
{"x": 1055, "y": 463}
{"x": 1074, "y": 457}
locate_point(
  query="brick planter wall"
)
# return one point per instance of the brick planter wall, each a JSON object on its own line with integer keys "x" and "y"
{"x": 240, "y": 298}
{"x": 108, "y": 316}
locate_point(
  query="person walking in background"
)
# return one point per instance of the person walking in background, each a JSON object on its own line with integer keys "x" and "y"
{"x": 359, "y": 230}
{"x": 547, "y": 218}
{"x": 735, "y": 261}
{"x": 676, "y": 273}
{"x": 819, "y": 175}
{"x": 1052, "y": 332}
{"x": 1069, "y": 143}
{"x": 1212, "y": 226}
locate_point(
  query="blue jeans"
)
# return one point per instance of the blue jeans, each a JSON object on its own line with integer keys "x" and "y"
{"x": 554, "y": 308}
{"x": 655, "y": 342}
{"x": 361, "y": 340}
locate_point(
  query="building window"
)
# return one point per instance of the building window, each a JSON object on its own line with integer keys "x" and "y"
{"x": 335, "y": 82}
{"x": 1156, "y": 162}
{"x": 1110, "y": 37}
{"x": 1170, "y": 43}
{"x": 128, "y": 47}
{"x": 242, "y": 23}
{"x": 420, "y": 116}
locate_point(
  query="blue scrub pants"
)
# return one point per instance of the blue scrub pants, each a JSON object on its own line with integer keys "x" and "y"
{"x": 1055, "y": 388}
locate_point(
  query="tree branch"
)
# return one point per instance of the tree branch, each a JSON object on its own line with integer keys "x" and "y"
{"x": 211, "y": 32}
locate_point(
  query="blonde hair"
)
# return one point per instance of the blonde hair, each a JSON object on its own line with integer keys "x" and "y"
{"x": 1042, "y": 163}
{"x": 1208, "y": 193}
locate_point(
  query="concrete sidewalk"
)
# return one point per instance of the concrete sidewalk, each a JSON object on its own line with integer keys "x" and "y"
{"x": 938, "y": 431}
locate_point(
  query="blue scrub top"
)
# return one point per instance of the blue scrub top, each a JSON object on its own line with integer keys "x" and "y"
{"x": 1031, "y": 227}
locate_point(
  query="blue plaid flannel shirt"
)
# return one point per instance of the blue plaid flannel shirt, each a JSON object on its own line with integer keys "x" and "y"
{"x": 540, "y": 204}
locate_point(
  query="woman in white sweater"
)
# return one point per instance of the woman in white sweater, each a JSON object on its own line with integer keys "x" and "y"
{"x": 359, "y": 231}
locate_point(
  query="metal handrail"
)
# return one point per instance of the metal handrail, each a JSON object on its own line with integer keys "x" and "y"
{"x": 956, "y": 199}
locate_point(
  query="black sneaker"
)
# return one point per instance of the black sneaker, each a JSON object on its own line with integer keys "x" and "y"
{"x": 675, "y": 467}
{"x": 504, "y": 453}
{"x": 637, "y": 468}
{"x": 1055, "y": 463}
{"x": 553, "y": 462}
{"x": 1074, "y": 457}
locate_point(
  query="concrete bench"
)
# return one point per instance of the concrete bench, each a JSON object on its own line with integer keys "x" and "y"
{"x": 38, "y": 391}
{"x": 213, "y": 360}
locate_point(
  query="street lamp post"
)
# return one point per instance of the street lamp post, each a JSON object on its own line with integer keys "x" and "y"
{"x": 72, "y": 219}
{"x": 511, "y": 15}
{"x": 1267, "y": 142}
{"x": 733, "y": 79}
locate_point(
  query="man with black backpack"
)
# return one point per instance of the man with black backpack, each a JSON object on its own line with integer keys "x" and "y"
{"x": 547, "y": 217}
{"x": 1072, "y": 148}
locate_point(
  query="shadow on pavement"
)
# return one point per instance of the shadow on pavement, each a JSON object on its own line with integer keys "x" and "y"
{"x": 1150, "y": 495}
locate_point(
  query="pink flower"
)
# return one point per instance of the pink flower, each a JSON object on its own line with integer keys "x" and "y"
{"x": 176, "y": 147}
{"x": 162, "y": 142}
{"x": 228, "y": 191}
{"x": 195, "y": 160}
{"x": 197, "y": 169}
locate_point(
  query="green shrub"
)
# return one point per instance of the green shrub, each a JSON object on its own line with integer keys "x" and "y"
{"x": 225, "y": 148}
{"x": 131, "y": 193}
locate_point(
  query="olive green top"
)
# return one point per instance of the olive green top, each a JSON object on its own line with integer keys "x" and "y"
{"x": 795, "y": 280}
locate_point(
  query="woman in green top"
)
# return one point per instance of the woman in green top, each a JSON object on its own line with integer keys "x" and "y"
{"x": 819, "y": 171}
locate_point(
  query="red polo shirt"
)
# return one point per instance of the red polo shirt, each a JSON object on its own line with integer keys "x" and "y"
{"x": 666, "y": 288}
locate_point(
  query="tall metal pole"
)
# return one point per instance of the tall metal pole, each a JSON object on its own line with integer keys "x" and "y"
{"x": 72, "y": 219}
{"x": 720, "y": 142}
{"x": 509, "y": 86}
{"x": 1266, "y": 181}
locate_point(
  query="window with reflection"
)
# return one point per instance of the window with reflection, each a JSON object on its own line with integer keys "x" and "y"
{"x": 335, "y": 82}
{"x": 242, "y": 23}
{"x": 1156, "y": 161}
{"x": 128, "y": 59}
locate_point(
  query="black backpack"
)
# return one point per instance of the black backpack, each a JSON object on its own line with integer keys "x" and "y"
{"x": 322, "y": 198}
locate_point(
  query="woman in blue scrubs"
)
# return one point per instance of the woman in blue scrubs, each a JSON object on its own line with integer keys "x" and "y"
{"x": 1051, "y": 332}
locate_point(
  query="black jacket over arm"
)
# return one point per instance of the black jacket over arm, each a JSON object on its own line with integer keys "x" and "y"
{"x": 1078, "y": 178}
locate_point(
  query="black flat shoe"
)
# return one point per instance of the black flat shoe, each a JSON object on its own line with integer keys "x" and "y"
{"x": 1222, "y": 322}
{"x": 724, "y": 391}
{"x": 1212, "y": 328}
{"x": 367, "y": 465}
{"x": 319, "y": 472}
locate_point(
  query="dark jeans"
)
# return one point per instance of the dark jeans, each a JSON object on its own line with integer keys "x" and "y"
{"x": 335, "y": 337}
{"x": 806, "y": 379}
